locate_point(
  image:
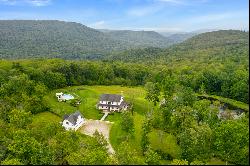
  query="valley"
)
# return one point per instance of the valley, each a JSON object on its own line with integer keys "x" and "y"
{"x": 176, "y": 87}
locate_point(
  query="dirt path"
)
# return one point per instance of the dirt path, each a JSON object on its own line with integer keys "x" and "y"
{"x": 103, "y": 127}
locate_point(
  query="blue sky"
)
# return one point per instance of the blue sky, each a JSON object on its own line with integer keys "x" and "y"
{"x": 158, "y": 15}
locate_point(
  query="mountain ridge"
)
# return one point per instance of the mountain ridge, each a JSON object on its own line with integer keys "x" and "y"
{"x": 219, "y": 45}
{"x": 70, "y": 40}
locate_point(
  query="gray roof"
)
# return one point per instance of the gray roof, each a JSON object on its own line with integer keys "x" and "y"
{"x": 73, "y": 117}
{"x": 65, "y": 116}
{"x": 110, "y": 97}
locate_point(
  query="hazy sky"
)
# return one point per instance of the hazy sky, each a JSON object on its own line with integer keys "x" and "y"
{"x": 158, "y": 15}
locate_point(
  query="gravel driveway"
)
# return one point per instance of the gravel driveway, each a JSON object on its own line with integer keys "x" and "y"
{"x": 103, "y": 127}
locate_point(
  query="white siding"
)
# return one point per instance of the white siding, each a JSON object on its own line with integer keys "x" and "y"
{"x": 69, "y": 126}
{"x": 113, "y": 104}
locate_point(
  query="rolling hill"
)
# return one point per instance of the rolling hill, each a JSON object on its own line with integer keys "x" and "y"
{"x": 140, "y": 38}
{"x": 51, "y": 38}
{"x": 182, "y": 36}
{"x": 211, "y": 46}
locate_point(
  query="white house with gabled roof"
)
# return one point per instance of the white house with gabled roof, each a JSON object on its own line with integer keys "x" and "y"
{"x": 112, "y": 102}
{"x": 73, "y": 121}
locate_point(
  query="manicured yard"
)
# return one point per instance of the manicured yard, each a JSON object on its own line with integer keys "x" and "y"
{"x": 90, "y": 96}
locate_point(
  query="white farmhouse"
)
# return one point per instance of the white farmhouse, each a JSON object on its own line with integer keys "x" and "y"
{"x": 73, "y": 121}
{"x": 111, "y": 103}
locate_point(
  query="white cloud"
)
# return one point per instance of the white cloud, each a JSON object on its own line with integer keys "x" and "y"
{"x": 26, "y": 2}
{"x": 98, "y": 24}
{"x": 39, "y": 2}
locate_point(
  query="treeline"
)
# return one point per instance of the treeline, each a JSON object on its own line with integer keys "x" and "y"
{"x": 229, "y": 80}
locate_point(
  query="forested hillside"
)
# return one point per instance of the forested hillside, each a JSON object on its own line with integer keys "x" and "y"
{"x": 69, "y": 40}
{"x": 141, "y": 38}
{"x": 180, "y": 37}
{"x": 217, "y": 46}
{"x": 218, "y": 61}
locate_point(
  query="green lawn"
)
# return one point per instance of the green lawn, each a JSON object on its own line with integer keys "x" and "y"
{"x": 45, "y": 117}
{"x": 117, "y": 135}
{"x": 41, "y": 119}
{"x": 90, "y": 96}
{"x": 165, "y": 142}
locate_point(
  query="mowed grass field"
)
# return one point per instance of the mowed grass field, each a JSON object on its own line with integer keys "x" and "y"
{"x": 90, "y": 97}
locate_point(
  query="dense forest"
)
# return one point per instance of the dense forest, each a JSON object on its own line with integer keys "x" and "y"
{"x": 218, "y": 46}
{"x": 213, "y": 63}
{"x": 200, "y": 134}
{"x": 148, "y": 38}
{"x": 68, "y": 40}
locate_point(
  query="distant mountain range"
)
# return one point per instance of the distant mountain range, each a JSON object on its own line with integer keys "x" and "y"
{"x": 69, "y": 40}
{"x": 152, "y": 38}
{"x": 140, "y": 38}
{"x": 210, "y": 46}
{"x": 178, "y": 37}
{"x": 51, "y": 38}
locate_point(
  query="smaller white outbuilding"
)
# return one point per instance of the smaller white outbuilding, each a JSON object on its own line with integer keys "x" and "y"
{"x": 64, "y": 97}
{"x": 73, "y": 121}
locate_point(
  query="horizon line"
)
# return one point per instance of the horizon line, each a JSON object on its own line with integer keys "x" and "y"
{"x": 129, "y": 29}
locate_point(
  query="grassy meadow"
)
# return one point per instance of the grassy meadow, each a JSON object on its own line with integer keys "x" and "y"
{"x": 90, "y": 97}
